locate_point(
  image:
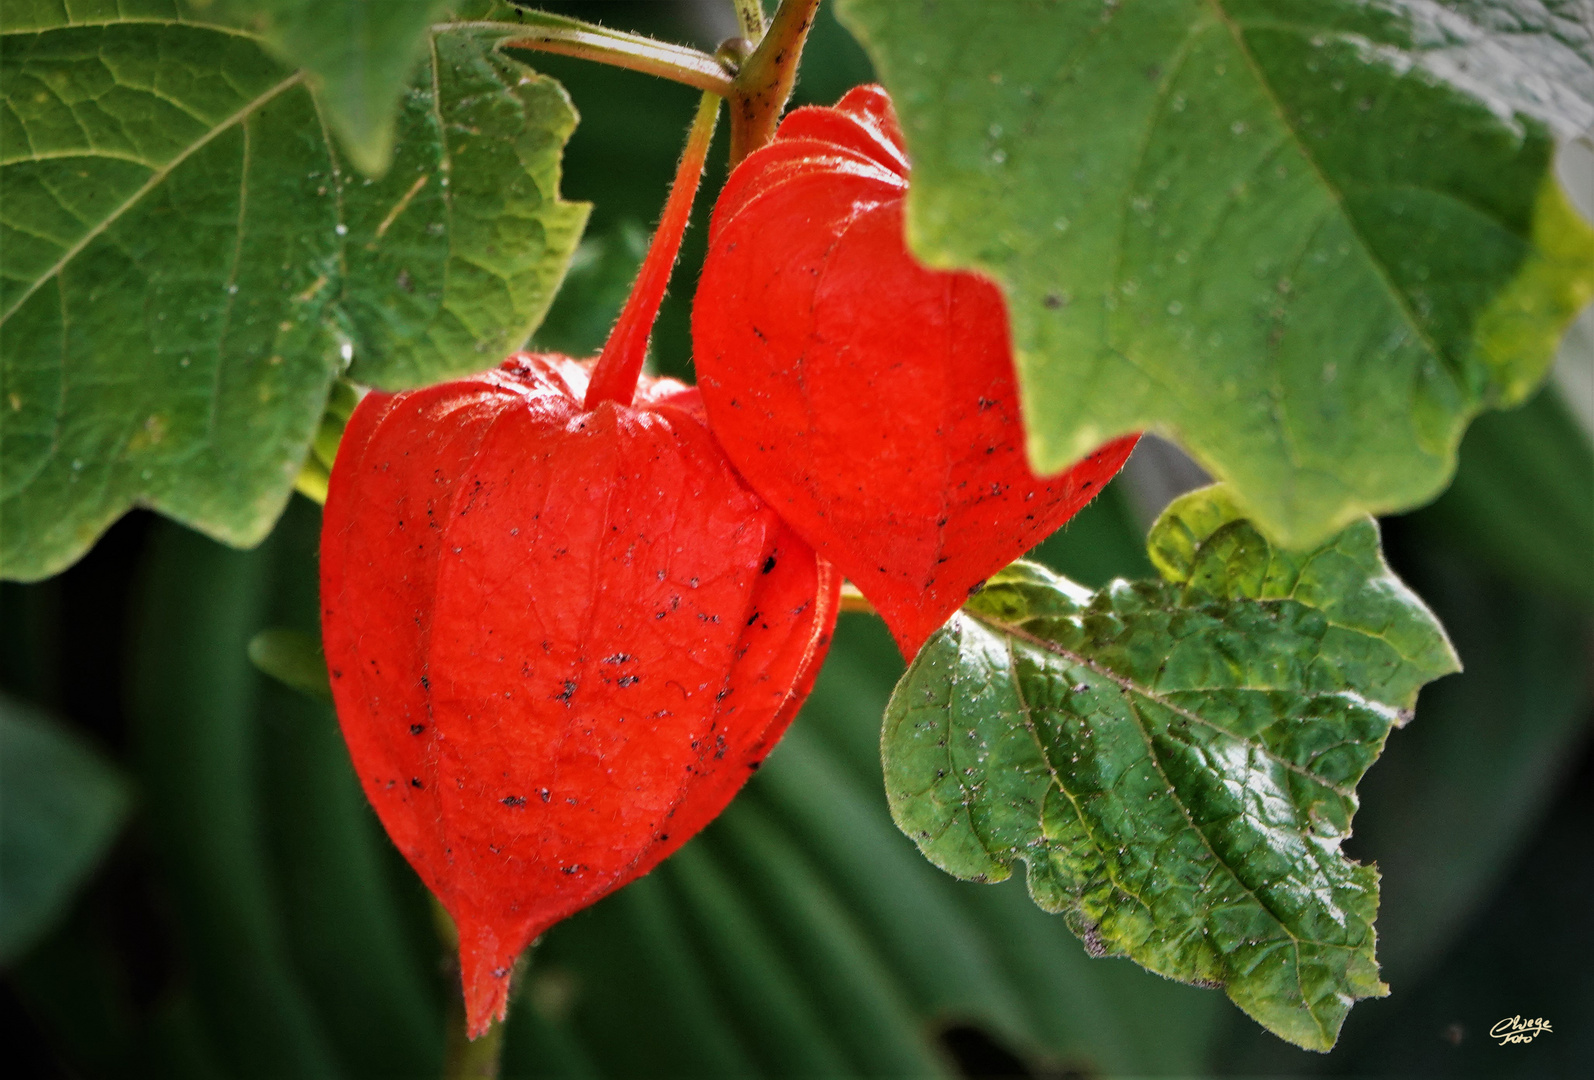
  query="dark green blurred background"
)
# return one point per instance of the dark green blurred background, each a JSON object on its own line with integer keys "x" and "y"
{"x": 250, "y": 919}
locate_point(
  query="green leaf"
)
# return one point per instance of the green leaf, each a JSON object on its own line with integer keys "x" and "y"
{"x": 294, "y": 658}
{"x": 1308, "y": 241}
{"x": 1175, "y": 761}
{"x": 189, "y": 264}
{"x": 61, "y": 805}
{"x": 359, "y": 56}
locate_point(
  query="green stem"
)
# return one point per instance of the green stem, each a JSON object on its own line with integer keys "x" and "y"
{"x": 764, "y": 82}
{"x": 465, "y": 1058}
{"x": 572, "y": 37}
{"x": 750, "y": 17}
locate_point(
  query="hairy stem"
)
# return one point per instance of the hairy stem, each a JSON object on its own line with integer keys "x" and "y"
{"x": 764, "y": 82}
{"x": 572, "y": 37}
{"x": 615, "y": 376}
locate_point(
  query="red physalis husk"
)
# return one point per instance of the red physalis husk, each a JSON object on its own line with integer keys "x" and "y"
{"x": 871, "y": 400}
{"x": 562, "y": 631}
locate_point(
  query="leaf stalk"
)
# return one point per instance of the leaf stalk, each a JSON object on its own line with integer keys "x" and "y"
{"x": 758, "y": 90}
{"x": 564, "y": 36}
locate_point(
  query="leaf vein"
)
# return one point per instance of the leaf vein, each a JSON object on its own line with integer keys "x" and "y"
{"x": 155, "y": 180}
{"x": 1130, "y": 686}
{"x": 1173, "y": 793}
{"x": 214, "y": 405}
{"x": 1057, "y": 782}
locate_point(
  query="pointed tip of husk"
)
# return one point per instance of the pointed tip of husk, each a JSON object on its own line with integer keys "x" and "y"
{"x": 486, "y": 964}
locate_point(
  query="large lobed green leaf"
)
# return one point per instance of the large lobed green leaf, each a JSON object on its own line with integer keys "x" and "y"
{"x": 1175, "y": 761}
{"x": 189, "y": 264}
{"x": 1308, "y": 240}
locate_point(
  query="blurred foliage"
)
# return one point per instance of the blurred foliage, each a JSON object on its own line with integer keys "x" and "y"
{"x": 60, "y": 807}
{"x": 1525, "y": 503}
{"x": 253, "y": 921}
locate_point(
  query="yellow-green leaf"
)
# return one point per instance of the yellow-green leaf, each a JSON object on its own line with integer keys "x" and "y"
{"x": 1310, "y": 241}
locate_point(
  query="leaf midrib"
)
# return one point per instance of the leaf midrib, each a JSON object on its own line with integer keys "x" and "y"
{"x": 1408, "y": 316}
{"x": 1129, "y": 686}
{"x": 1027, "y": 711}
{"x": 101, "y": 24}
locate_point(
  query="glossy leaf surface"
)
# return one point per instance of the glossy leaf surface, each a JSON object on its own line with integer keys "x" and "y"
{"x": 189, "y": 263}
{"x": 1308, "y": 241}
{"x": 1175, "y": 761}
{"x": 560, "y": 639}
{"x": 868, "y": 399}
